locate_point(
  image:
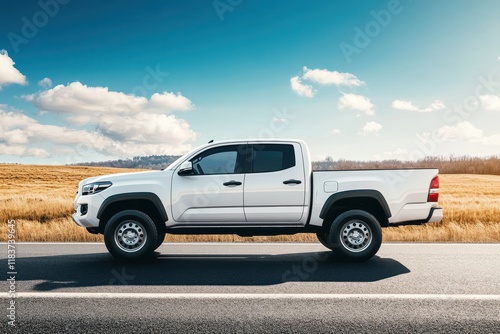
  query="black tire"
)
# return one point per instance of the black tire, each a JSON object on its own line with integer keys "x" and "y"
{"x": 159, "y": 241}
{"x": 355, "y": 235}
{"x": 140, "y": 239}
{"x": 323, "y": 239}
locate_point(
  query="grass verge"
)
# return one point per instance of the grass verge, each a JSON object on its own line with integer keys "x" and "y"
{"x": 39, "y": 199}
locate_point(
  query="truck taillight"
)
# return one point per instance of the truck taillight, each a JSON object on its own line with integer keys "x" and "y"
{"x": 434, "y": 190}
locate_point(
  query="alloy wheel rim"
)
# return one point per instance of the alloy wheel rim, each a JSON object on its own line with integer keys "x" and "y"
{"x": 356, "y": 236}
{"x": 130, "y": 236}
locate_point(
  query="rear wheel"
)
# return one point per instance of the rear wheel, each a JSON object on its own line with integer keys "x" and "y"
{"x": 355, "y": 235}
{"x": 130, "y": 235}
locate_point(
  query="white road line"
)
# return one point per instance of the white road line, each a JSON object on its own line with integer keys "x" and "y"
{"x": 104, "y": 295}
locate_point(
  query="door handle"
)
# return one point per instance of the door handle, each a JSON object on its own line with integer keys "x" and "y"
{"x": 292, "y": 181}
{"x": 232, "y": 183}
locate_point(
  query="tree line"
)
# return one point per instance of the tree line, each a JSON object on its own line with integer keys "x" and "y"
{"x": 446, "y": 165}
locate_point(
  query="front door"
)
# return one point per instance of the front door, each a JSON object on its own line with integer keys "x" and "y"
{"x": 213, "y": 193}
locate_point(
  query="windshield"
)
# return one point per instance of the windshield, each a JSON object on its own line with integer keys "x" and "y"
{"x": 174, "y": 164}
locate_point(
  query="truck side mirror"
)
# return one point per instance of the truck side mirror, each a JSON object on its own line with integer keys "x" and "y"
{"x": 186, "y": 168}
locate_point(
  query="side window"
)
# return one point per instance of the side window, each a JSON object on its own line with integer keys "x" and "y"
{"x": 272, "y": 157}
{"x": 219, "y": 160}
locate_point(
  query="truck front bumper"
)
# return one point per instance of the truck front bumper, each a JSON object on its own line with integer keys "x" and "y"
{"x": 86, "y": 208}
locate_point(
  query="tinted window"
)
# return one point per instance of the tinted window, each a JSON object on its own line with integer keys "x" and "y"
{"x": 218, "y": 160}
{"x": 272, "y": 157}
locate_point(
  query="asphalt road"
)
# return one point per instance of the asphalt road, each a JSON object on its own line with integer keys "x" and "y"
{"x": 230, "y": 288}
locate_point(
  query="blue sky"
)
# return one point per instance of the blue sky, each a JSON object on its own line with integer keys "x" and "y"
{"x": 92, "y": 80}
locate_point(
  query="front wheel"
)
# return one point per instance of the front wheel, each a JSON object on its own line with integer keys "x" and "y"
{"x": 355, "y": 235}
{"x": 159, "y": 241}
{"x": 130, "y": 235}
{"x": 323, "y": 239}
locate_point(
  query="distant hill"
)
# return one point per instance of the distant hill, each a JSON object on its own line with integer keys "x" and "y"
{"x": 149, "y": 162}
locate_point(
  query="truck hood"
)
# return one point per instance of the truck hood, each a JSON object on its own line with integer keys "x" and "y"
{"x": 126, "y": 177}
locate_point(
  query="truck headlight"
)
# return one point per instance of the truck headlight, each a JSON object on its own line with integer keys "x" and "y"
{"x": 95, "y": 187}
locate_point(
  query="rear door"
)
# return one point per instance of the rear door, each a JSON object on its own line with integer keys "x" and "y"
{"x": 275, "y": 185}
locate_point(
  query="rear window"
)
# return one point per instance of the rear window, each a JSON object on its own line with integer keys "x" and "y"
{"x": 272, "y": 157}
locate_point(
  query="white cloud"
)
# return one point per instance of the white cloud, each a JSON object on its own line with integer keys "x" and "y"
{"x": 356, "y": 102}
{"x": 142, "y": 134}
{"x": 404, "y": 105}
{"x": 22, "y": 133}
{"x": 45, "y": 83}
{"x": 79, "y": 99}
{"x": 335, "y": 131}
{"x": 371, "y": 128}
{"x": 321, "y": 77}
{"x": 169, "y": 102}
{"x": 8, "y": 73}
{"x": 399, "y": 153}
{"x": 409, "y": 106}
{"x": 467, "y": 132}
{"x": 23, "y": 151}
{"x": 299, "y": 88}
{"x": 326, "y": 77}
{"x": 436, "y": 105}
{"x": 493, "y": 140}
{"x": 490, "y": 102}
{"x": 462, "y": 131}
{"x": 123, "y": 125}
{"x": 146, "y": 128}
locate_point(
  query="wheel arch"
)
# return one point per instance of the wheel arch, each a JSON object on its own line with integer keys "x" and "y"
{"x": 146, "y": 202}
{"x": 368, "y": 200}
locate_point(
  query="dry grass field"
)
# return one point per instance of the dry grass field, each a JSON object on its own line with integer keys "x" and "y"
{"x": 39, "y": 199}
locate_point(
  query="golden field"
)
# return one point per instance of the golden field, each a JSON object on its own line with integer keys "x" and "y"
{"x": 40, "y": 200}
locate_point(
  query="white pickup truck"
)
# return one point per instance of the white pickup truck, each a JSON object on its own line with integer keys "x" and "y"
{"x": 255, "y": 187}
